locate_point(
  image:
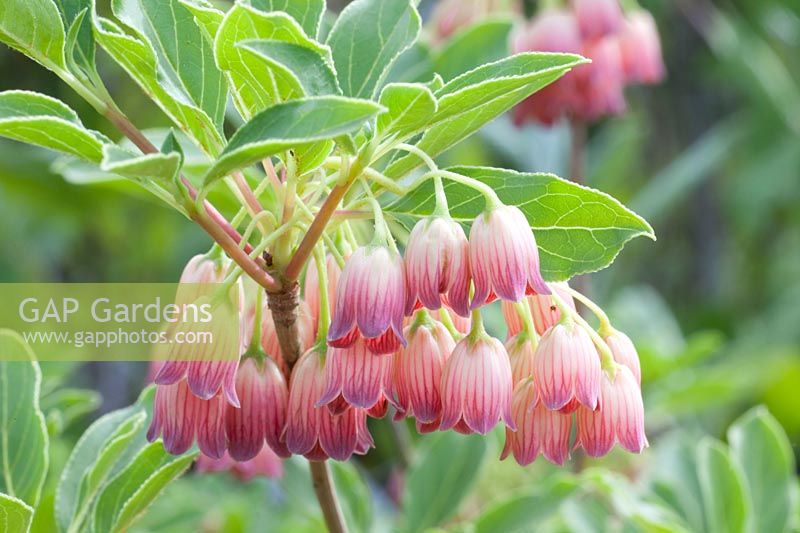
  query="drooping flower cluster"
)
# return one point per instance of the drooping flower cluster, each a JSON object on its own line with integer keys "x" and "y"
{"x": 406, "y": 333}
{"x": 625, "y": 49}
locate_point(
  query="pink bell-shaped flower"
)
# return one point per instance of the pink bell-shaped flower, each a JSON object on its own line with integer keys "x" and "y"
{"x": 521, "y": 353}
{"x": 370, "y": 301}
{"x": 437, "y": 264}
{"x": 418, "y": 371}
{"x": 567, "y": 367}
{"x": 600, "y": 84}
{"x": 545, "y": 313}
{"x": 598, "y": 18}
{"x": 503, "y": 257}
{"x": 619, "y": 417}
{"x": 314, "y": 431}
{"x": 625, "y": 353}
{"x": 476, "y": 386}
{"x": 205, "y": 371}
{"x": 262, "y": 416}
{"x": 311, "y": 287}
{"x": 539, "y": 430}
{"x": 640, "y": 47}
{"x": 359, "y": 376}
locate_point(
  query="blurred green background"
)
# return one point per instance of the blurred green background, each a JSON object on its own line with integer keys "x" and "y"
{"x": 711, "y": 157}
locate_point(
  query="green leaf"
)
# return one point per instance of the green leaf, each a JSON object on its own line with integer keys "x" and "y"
{"x": 168, "y": 56}
{"x": 722, "y": 484}
{"x": 482, "y": 43}
{"x": 255, "y": 82}
{"x": 447, "y": 467}
{"x": 126, "y": 496}
{"x": 409, "y": 106}
{"x": 69, "y": 404}
{"x": 762, "y": 449}
{"x": 415, "y": 65}
{"x": 578, "y": 229}
{"x": 308, "y": 13}
{"x": 206, "y": 16}
{"x": 70, "y": 501}
{"x": 158, "y": 165}
{"x": 15, "y": 515}
{"x": 354, "y": 494}
{"x": 291, "y": 125}
{"x": 473, "y": 99}
{"x": 79, "y": 48}
{"x": 367, "y": 38}
{"x": 34, "y": 27}
{"x": 44, "y": 121}
{"x": 23, "y": 434}
{"x": 312, "y": 72}
{"x": 533, "y": 507}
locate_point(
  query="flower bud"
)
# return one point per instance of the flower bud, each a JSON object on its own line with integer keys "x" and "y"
{"x": 437, "y": 263}
{"x": 476, "y": 386}
{"x": 625, "y": 353}
{"x": 539, "y": 430}
{"x": 418, "y": 371}
{"x": 619, "y": 417}
{"x": 311, "y": 287}
{"x": 314, "y": 431}
{"x": 503, "y": 257}
{"x": 263, "y": 394}
{"x": 640, "y": 47}
{"x": 567, "y": 367}
{"x": 544, "y": 311}
{"x": 370, "y": 301}
{"x": 360, "y": 377}
{"x": 598, "y": 18}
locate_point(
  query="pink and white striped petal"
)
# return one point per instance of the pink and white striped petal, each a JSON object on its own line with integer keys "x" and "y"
{"x": 358, "y": 375}
{"x": 625, "y": 353}
{"x": 567, "y": 367}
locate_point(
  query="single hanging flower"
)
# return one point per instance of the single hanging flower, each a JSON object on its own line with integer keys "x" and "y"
{"x": 311, "y": 287}
{"x": 539, "y": 430}
{"x": 262, "y": 416}
{"x": 437, "y": 266}
{"x": 476, "y": 385}
{"x": 598, "y": 18}
{"x": 503, "y": 257}
{"x": 418, "y": 372}
{"x": 314, "y": 431}
{"x": 206, "y": 372}
{"x": 619, "y": 417}
{"x": 545, "y": 313}
{"x": 370, "y": 301}
{"x": 361, "y": 378}
{"x": 567, "y": 368}
{"x": 625, "y": 353}
{"x": 601, "y": 84}
{"x": 640, "y": 47}
{"x": 552, "y": 30}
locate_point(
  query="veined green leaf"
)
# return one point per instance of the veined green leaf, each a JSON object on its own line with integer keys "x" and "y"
{"x": 409, "y": 106}
{"x": 38, "y": 119}
{"x": 482, "y": 43}
{"x": 255, "y": 82}
{"x": 15, "y": 515}
{"x": 207, "y": 17}
{"x": 69, "y": 405}
{"x": 91, "y": 446}
{"x": 120, "y": 161}
{"x": 179, "y": 75}
{"x": 23, "y": 434}
{"x": 578, "y": 229}
{"x": 476, "y": 97}
{"x": 308, "y": 13}
{"x": 291, "y": 125}
{"x": 79, "y": 49}
{"x": 367, "y": 38}
{"x": 760, "y": 446}
{"x": 314, "y": 75}
{"x": 126, "y": 496}
{"x": 34, "y": 27}
{"x": 724, "y": 493}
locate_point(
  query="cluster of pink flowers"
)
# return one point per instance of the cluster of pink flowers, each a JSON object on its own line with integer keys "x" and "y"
{"x": 405, "y": 332}
{"x": 624, "y": 48}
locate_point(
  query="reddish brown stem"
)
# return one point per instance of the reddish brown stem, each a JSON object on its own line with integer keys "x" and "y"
{"x": 323, "y": 487}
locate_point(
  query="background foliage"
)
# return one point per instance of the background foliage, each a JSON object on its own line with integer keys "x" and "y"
{"x": 710, "y": 158}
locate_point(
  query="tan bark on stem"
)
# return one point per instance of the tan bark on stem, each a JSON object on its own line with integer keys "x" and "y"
{"x": 326, "y": 494}
{"x": 283, "y": 305}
